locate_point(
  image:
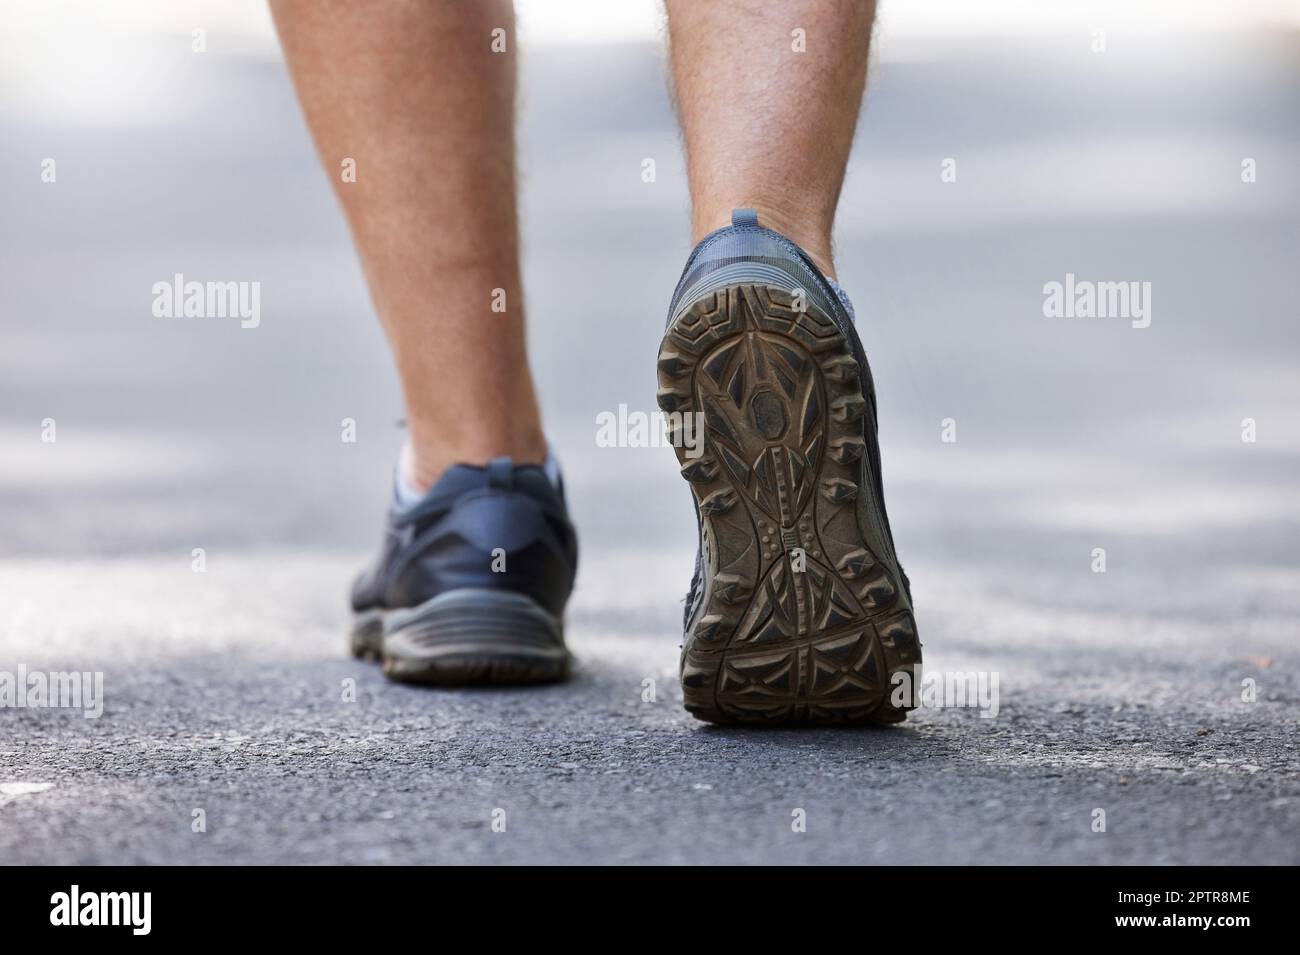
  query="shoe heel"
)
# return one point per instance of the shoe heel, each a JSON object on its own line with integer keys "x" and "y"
{"x": 474, "y": 636}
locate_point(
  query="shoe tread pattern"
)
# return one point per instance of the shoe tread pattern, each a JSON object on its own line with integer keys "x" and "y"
{"x": 778, "y": 477}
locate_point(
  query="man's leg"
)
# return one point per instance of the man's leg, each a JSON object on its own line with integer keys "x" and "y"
{"x": 767, "y": 127}
{"x": 415, "y": 95}
{"x": 471, "y": 583}
{"x": 799, "y": 610}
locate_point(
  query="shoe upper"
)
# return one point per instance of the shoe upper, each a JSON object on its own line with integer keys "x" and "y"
{"x": 746, "y": 252}
{"x": 503, "y": 526}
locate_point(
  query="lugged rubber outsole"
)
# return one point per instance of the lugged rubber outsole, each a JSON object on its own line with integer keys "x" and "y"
{"x": 465, "y": 638}
{"x": 801, "y": 622}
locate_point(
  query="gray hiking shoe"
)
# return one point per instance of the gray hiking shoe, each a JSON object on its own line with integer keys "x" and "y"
{"x": 799, "y": 611}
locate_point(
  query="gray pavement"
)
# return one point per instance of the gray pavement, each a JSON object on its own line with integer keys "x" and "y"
{"x": 225, "y": 690}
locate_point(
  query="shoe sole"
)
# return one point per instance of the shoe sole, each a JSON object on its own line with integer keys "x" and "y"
{"x": 801, "y": 622}
{"x": 465, "y": 638}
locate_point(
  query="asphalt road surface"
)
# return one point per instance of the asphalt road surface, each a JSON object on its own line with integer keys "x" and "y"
{"x": 1162, "y": 693}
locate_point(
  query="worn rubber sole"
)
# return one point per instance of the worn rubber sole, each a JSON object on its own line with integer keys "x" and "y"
{"x": 801, "y": 622}
{"x": 463, "y": 638}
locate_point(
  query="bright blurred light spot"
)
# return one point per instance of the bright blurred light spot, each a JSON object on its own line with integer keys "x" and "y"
{"x": 557, "y": 22}
{"x": 86, "y": 62}
{"x": 1035, "y": 17}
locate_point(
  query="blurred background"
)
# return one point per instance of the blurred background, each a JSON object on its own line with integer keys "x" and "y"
{"x": 1120, "y": 165}
{"x": 1115, "y": 164}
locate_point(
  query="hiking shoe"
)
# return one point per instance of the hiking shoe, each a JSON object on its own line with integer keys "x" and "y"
{"x": 471, "y": 581}
{"x": 798, "y": 611}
